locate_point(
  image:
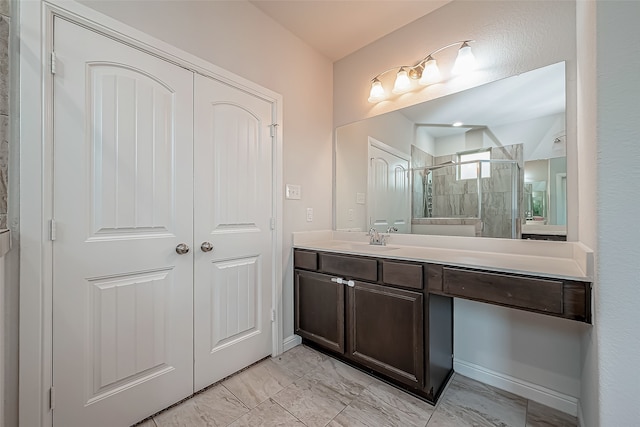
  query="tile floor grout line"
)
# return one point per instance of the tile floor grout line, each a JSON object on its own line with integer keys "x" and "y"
{"x": 288, "y": 412}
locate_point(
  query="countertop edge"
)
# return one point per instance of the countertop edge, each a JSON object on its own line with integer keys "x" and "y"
{"x": 580, "y": 275}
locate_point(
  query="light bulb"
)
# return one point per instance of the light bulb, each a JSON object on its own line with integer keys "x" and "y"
{"x": 377, "y": 91}
{"x": 403, "y": 83}
{"x": 465, "y": 61}
{"x": 431, "y": 73}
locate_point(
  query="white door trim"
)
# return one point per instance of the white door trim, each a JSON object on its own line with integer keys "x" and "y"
{"x": 36, "y": 192}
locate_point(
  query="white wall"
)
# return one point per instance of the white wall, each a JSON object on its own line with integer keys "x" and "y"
{"x": 352, "y": 152}
{"x": 511, "y": 37}
{"x": 589, "y": 414}
{"x": 617, "y": 340}
{"x": 238, "y": 37}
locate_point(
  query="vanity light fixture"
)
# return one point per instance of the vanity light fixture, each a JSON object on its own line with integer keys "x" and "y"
{"x": 426, "y": 71}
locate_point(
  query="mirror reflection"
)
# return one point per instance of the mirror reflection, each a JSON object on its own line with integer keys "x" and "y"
{"x": 487, "y": 162}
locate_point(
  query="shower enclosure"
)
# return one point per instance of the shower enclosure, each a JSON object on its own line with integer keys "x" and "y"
{"x": 473, "y": 198}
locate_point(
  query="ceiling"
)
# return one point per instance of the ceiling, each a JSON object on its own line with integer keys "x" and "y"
{"x": 530, "y": 95}
{"x": 337, "y": 28}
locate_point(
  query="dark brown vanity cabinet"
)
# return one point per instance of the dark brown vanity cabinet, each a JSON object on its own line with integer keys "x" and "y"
{"x": 385, "y": 330}
{"x": 375, "y": 314}
{"x": 319, "y": 309}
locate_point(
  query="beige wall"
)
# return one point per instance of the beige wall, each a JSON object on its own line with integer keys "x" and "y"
{"x": 240, "y": 38}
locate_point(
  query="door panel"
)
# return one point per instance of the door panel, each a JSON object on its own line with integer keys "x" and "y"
{"x": 132, "y": 141}
{"x": 234, "y": 297}
{"x": 389, "y": 197}
{"x": 233, "y": 210}
{"x": 122, "y": 296}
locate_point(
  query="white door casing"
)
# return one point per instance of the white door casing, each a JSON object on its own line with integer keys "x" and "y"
{"x": 234, "y": 151}
{"x": 389, "y": 190}
{"x": 122, "y": 296}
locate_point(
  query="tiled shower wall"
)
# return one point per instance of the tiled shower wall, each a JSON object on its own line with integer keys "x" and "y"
{"x": 4, "y": 108}
{"x": 459, "y": 199}
{"x": 419, "y": 159}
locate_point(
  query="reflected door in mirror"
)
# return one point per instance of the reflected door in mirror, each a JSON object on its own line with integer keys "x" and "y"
{"x": 389, "y": 201}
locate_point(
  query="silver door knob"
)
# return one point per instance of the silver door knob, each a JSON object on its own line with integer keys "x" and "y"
{"x": 182, "y": 248}
{"x": 206, "y": 247}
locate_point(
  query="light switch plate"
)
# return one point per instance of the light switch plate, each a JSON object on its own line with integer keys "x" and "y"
{"x": 360, "y": 198}
{"x": 309, "y": 214}
{"x": 293, "y": 192}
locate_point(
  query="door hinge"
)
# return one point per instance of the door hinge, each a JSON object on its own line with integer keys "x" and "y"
{"x": 53, "y": 62}
{"x": 273, "y": 223}
{"x": 273, "y": 129}
{"x": 52, "y": 398}
{"x": 273, "y": 315}
{"x": 52, "y": 229}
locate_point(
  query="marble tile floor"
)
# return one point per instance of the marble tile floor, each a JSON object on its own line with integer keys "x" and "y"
{"x": 306, "y": 388}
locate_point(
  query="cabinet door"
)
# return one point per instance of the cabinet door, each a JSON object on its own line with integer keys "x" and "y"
{"x": 386, "y": 331}
{"x": 319, "y": 309}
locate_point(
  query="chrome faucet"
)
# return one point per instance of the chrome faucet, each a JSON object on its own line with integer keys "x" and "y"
{"x": 376, "y": 238}
{"x": 391, "y": 230}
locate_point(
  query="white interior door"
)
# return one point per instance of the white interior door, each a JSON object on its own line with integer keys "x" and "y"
{"x": 122, "y": 296}
{"x": 233, "y": 212}
{"x": 389, "y": 191}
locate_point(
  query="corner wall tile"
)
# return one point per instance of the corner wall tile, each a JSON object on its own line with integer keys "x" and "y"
{"x": 4, "y": 65}
{"x": 4, "y": 165}
{"x": 5, "y": 7}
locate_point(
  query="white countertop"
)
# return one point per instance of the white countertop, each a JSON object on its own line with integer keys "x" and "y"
{"x": 563, "y": 260}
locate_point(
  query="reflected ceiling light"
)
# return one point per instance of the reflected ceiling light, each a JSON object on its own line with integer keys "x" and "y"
{"x": 457, "y": 124}
{"x": 426, "y": 71}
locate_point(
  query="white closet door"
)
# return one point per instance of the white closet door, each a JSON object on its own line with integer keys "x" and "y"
{"x": 122, "y": 296}
{"x": 233, "y": 205}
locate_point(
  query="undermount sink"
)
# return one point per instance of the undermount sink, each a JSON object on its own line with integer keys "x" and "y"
{"x": 364, "y": 247}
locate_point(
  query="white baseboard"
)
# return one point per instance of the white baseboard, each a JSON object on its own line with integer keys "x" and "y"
{"x": 561, "y": 402}
{"x": 290, "y": 342}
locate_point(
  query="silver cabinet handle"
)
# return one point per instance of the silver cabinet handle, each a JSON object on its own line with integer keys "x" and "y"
{"x": 182, "y": 248}
{"x": 206, "y": 247}
{"x": 351, "y": 283}
{"x": 338, "y": 280}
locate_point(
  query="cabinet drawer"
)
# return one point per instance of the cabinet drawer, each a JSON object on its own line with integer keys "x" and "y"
{"x": 402, "y": 274}
{"x": 305, "y": 259}
{"x": 352, "y": 267}
{"x": 544, "y": 295}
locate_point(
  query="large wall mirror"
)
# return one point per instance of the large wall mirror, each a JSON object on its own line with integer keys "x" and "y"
{"x": 487, "y": 162}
